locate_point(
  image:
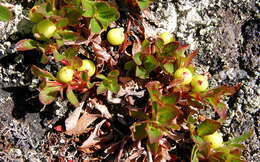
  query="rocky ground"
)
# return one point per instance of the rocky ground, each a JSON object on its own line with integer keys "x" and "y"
{"x": 226, "y": 32}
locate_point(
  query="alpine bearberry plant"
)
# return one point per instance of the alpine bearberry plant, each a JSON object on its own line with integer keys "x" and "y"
{"x": 96, "y": 61}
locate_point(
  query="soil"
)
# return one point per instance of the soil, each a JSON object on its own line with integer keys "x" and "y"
{"x": 226, "y": 32}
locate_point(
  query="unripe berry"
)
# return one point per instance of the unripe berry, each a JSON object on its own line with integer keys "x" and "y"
{"x": 116, "y": 36}
{"x": 215, "y": 140}
{"x": 46, "y": 28}
{"x": 65, "y": 74}
{"x": 167, "y": 37}
{"x": 199, "y": 83}
{"x": 89, "y": 66}
{"x": 183, "y": 74}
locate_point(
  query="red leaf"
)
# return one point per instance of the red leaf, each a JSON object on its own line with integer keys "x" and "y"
{"x": 223, "y": 90}
{"x": 49, "y": 94}
{"x": 190, "y": 57}
{"x": 215, "y": 95}
{"x": 41, "y": 73}
{"x": 181, "y": 50}
{"x": 26, "y": 44}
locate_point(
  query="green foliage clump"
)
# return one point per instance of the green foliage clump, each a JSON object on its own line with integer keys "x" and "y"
{"x": 177, "y": 93}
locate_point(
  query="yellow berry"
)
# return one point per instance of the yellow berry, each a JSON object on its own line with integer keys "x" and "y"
{"x": 183, "y": 74}
{"x": 116, "y": 36}
{"x": 167, "y": 37}
{"x": 199, "y": 83}
{"x": 215, "y": 140}
{"x": 89, "y": 66}
{"x": 65, "y": 74}
{"x": 46, "y": 28}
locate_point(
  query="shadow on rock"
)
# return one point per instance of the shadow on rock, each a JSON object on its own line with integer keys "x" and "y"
{"x": 25, "y": 101}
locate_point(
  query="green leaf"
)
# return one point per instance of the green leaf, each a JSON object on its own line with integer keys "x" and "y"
{"x": 105, "y": 12}
{"x": 84, "y": 76}
{"x": 70, "y": 52}
{"x": 166, "y": 114}
{"x": 26, "y": 44}
{"x": 138, "y": 131}
{"x": 154, "y": 92}
{"x": 240, "y": 139}
{"x": 114, "y": 87}
{"x": 191, "y": 119}
{"x": 101, "y": 88}
{"x": 218, "y": 106}
{"x": 141, "y": 72}
{"x": 44, "y": 59}
{"x": 60, "y": 42}
{"x": 5, "y": 14}
{"x": 49, "y": 94}
{"x": 150, "y": 63}
{"x": 181, "y": 50}
{"x": 62, "y": 23}
{"x": 154, "y": 110}
{"x": 89, "y": 13}
{"x": 169, "y": 68}
{"x": 143, "y": 4}
{"x": 138, "y": 58}
{"x": 169, "y": 99}
{"x": 113, "y": 74}
{"x": 154, "y": 134}
{"x": 170, "y": 48}
{"x": 94, "y": 26}
{"x": 153, "y": 147}
{"x": 75, "y": 62}
{"x": 101, "y": 76}
{"x": 130, "y": 65}
{"x": 86, "y": 4}
{"x": 58, "y": 56}
{"x": 138, "y": 115}
{"x": 72, "y": 97}
{"x": 241, "y": 146}
{"x": 159, "y": 44}
{"x": 103, "y": 22}
{"x": 110, "y": 82}
{"x": 89, "y": 7}
{"x": 73, "y": 14}
{"x": 68, "y": 35}
{"x": 145, "y": 44}
{"x": 197, "y": 139}
{"x": 194, "y": 156}
{"x": 208, "y": 127}
{"x": 41, "y": 73}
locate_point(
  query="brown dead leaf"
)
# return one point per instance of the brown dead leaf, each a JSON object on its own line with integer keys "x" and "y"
{"x": 148, "y": 29}
{"x": 137, "y": 151}
{"x": 117, "y": 146}
{"x": 102, "y": 108}
{"x": 82, "y": 124}
{"x": 130, "y": 89}
{"x": 73, "y": 118}
{"x": 101, "y": 53}
{"x": 95, "y": 140}
{"x": 112, "y": 99}
{"x": 137, "y": 45}
{"x": 163, "y": 154}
